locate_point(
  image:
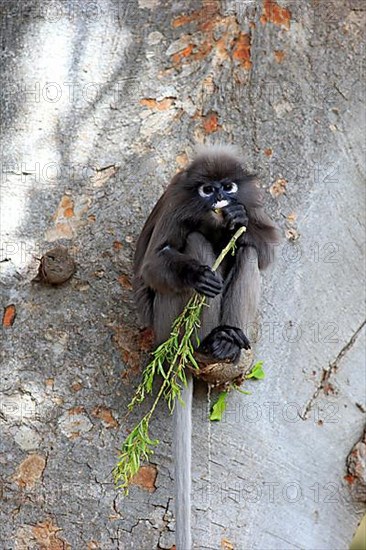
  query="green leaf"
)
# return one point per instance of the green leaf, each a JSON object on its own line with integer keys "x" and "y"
{"x": 257, "y": 371}
{"x": 241, "y": 391}
{"x": 219, "y": 407}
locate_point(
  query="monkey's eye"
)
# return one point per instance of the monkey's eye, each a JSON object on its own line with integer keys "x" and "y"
{"x": 230, "y": 187}
{"x": 205, "y": 190}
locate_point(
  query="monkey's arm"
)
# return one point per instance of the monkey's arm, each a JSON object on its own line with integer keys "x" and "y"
{"x": 166, "y": 269}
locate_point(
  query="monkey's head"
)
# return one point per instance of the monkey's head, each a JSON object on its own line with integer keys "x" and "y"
{"x": 215, "y": 178}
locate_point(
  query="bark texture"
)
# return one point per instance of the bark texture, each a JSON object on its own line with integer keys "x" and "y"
{"x": 101, "y": 103}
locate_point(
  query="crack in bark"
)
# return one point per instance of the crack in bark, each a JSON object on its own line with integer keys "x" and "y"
{"x": 328, "y": 371}
{"x": 166, "y": 521}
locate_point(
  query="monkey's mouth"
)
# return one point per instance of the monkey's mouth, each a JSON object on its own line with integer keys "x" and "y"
{"x": 220, "y": 204}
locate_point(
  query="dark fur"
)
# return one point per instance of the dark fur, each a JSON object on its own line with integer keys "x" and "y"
{"x": 179, "y": 242}
{"x": 179, "y": 212}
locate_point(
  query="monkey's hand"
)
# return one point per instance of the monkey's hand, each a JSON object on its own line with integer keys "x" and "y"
{"x": 205, "y": 281}
{"x": 224, "y": 342}
{"x": 235, "y": 215}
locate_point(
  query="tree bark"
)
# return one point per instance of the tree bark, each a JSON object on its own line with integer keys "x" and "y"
{"x": 102, "y": 103}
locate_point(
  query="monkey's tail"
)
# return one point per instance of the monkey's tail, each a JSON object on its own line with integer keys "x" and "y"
{"x": 182, "y": 465}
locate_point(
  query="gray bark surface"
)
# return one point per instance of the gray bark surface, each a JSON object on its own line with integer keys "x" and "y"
{"x": 102, "y": 102}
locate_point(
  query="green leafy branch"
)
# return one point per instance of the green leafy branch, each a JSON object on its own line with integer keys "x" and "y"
{"x": 177, "y": 352}
{"x": 220, "y": 405}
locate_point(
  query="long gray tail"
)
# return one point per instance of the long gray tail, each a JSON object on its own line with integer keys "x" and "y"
{"x": 182, "y": 440}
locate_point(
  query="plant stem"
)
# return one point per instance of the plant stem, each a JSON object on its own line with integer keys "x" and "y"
{"x": 228, "y": 247}
{"x": 137, "y": 446}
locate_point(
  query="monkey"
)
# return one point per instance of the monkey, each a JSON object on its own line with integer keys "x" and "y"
{"x": 196, "y": 216}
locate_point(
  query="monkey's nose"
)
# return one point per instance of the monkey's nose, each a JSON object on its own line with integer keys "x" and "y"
{"x": 219, "y": 196}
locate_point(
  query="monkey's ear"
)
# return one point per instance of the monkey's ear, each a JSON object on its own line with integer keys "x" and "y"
{"x": 179, "y": 178}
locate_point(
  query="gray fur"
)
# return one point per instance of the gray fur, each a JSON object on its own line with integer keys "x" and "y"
{"x": 241, "y": 300}
{"x": 168, "y": 306}
{"x": 182, "y": 467}
{"x": 172, "y": 243}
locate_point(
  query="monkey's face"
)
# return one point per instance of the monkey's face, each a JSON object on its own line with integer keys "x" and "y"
{"x": 218, "y": 194}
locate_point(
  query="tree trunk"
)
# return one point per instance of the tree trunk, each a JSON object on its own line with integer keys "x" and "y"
{"x": 102, "y": 103}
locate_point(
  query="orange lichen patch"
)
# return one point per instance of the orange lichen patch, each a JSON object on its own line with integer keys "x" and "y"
{"x": 279, "y": 55}
{"x": 185, "y": 19}
{"x": 221, "y": 49}
{"x": 204, "y": 16}
{"x": 103, "y": 174}
{"x": 213, "y": 32}
{"x": 181, "y": 160}
{"x": 145, "y": 478}
{"x": 192, "y": 52}
{"x": 46, "y": 536}
{"x": 291, "y": 218}
{"x": 179, "y": 56}
{"x": 127, "y": 342}
{"x": 69, "y": 212}
{"x": 241, "y": 51}
{"x": 161, "y": 105}
{"x": 329, "y": 389}
{"x": 210, "y": 123}
{"x": 117, "y": 245}
{"x": 210, "y": 16}
{"x": 76, "y": 386}
{"x": 9, "y": 315}
{"x": 61, "y": 230}
{"x": 106, "y": 416}
{"x": 76, "y": 410}
{"x": 65, "y": 209}
{"x": 202, "y": 52}
{"x": 125, "y": 282}
{"x": 146, "y": 339}
{"x": 66, "y": 202}
{"x": 273, "y": 13}
{"x": 68, "y": 217}
{"x": 30, "y": 471}
{"x": 278, "y": 188}
{"x": 226, "y": 544}
{"x": 350, "y": 479}
{"x": 268, "y": 152}
{"x": 132, "y": 344}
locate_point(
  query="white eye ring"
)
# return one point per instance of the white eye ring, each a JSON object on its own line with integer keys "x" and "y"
{"x": 233, "y": 188}
{"x": 204, "y": 194}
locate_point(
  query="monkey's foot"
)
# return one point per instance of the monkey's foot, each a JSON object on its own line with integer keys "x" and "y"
{"x": 224, "y": 343}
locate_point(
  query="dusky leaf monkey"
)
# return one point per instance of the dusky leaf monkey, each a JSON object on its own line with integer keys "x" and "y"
{"x": 187, "y": 229}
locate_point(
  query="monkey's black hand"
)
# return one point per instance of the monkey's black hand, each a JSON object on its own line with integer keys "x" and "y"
{"x": 235, "y": 215}
{"x": 224, "y": 343}
{"x": 206, "y": 282}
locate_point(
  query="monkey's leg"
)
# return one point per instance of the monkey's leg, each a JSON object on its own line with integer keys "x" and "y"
{"x": 239, "y": 307}
{"x": 242, "y": 291}
{"x": 200, "y": 249}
